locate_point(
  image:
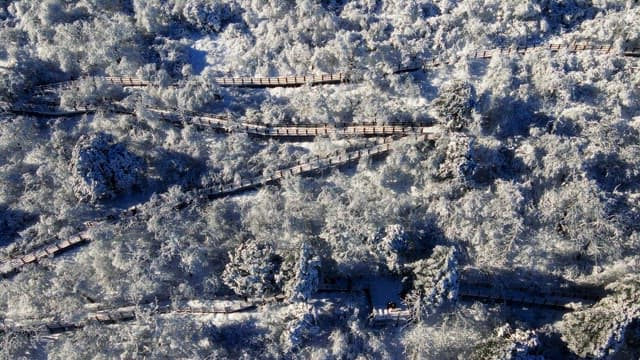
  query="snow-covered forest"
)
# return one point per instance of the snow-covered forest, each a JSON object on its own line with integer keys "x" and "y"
{"x": 463, "y": 182}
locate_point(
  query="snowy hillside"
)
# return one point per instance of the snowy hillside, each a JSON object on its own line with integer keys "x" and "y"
{"x": 366, "y": 179}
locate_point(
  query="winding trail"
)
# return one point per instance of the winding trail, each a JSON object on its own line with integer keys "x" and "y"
{"x": 227, "y": 125}
{"x": 122, "y": 314}
{"x": 9, "y": 268}
{"x": 346, "y": 77}
{"x": 557, "y": 299}
{"x": 472, "y": 291}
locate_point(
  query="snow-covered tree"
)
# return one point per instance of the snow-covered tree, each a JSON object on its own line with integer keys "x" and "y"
{"x": 454, "y": 158}
{"x": 599, "y": 330}
{"x": 390, "y": 245}
{"x": 436, "y": 282}
{"x": 305, "y": 275}
{"x": 102, "y": 169}
{"x": 90, "y": 92}
{"x": 298, "y": 329}
{"x": 454, "y": 104}
{"x": 251, "y": 269}
{"x": 207, "y": 16}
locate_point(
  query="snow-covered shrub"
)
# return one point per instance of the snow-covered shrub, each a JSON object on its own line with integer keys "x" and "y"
{"x": 509, "y": 344}
{"x": 454, "y": 104}
{"x": 598, "y": 331}
{"x": 582, "y": 219}
{"x": 436, "y": 282}
{"x": 199, "y": 94}
{"x": 206, "y": 16}
{"x": 153, "y": 16}
{"x": 102, "y": 169}
{"x": 298, "y": 329}
{"x": 251, "y": 269}
{"x": 90, "y": 92}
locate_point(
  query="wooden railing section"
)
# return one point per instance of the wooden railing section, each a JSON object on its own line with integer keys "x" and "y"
{"x": 227, "y": 125}
{"x": 344, "y": 77}
{"x": 12, "y": 266}
{"x": 118, "y": 315}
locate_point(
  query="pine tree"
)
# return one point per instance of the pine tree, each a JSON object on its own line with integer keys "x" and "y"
{"x": 393, "y": 242}
{"x": 436, "y": 282}
{"x": 306, "y": 277}
{"x": 103, "y": 168}
{"x": 598, "y": 331}
{"x": 251, "y": 269}
{"x": 454, "y": 104}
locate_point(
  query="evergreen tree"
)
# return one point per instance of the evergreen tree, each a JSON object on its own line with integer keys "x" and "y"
{"x": 436, "y": 282}
{"x": 454, "y": 104}
{"x": 102, "y": 168}
{"x": 305, "y": 280}
{"x": 508, "y": 344}
{"x": 251, "y": 269}
{"x": 598, "y": 331}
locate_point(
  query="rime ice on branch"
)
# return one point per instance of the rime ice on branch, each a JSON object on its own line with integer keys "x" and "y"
{"x": 102, "y": 169}
{"x": 436, "y": 282}
{"x": 599, "y": 331}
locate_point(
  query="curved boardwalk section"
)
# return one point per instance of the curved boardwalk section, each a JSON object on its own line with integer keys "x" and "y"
{"x": 12, "y": 266}
{"x": 343, "y": 77}
{"x": 227, "y": 125}
{"x": 112, "y": 316}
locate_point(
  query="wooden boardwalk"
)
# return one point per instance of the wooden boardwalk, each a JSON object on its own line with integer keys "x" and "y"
{"x": 522, "y": 50}
{"x": 282, "y": 81}
{"x": 12, "y": 266}
{"x": 231, "y": 126}
{"x": 118, "y": 315}
{"x": 344, "y": 77}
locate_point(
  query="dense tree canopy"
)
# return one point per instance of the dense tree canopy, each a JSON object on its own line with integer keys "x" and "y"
{"x": 536, "y": 168}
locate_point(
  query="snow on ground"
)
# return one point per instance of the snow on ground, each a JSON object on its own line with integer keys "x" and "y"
{"x": 548, "y": 183}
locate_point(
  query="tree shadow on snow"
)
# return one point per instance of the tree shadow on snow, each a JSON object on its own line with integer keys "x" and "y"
{"x": 240, "y": 337}
{"x": 490, "y": 164}
{"x": 612, "y": 173}
{"x": 517, "y": 283}
{"x": 334, "y": 6}
{"x": 197, "y": 59}
{"x": 513, "y": 117}
{"x": 561, "y": 17}
{"x": 12, "y": 222}
{"x": 168, "y": 168}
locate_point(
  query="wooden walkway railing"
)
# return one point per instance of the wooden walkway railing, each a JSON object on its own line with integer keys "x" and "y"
{"x": 118, "y": 315}
{"x": 282, "y": 81}
{"x": 343, "y": 77}
{"x": 12, "y": 266}
{"x": 225, "y": 124}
